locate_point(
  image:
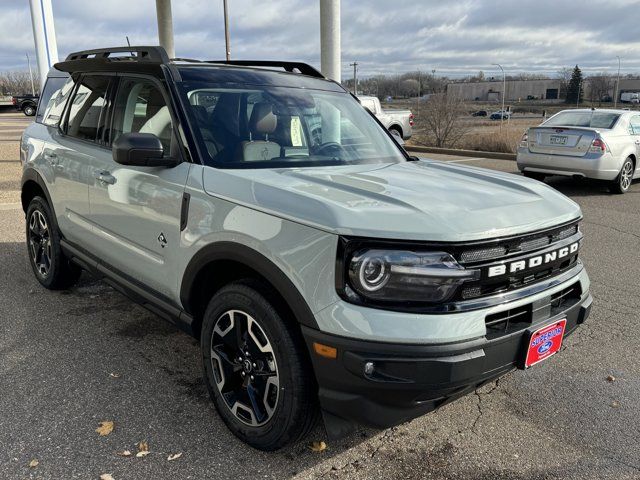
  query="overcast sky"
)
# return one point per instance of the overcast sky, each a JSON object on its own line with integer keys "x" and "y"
{"x": 385, "y": 36}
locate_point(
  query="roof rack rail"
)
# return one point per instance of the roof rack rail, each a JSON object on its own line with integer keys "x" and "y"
{"x": 153, "y": 54}
{"x": 303, "y": 68}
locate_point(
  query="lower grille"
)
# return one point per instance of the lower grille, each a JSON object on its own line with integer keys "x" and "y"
{"x": 521, "y": 318}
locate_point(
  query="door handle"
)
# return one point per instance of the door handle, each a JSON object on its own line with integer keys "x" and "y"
{"x": 105, "y": 177}
{"x": 637, "y": 142}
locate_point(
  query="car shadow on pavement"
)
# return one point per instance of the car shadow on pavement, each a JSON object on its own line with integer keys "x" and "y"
{"x": 586, "y": 187}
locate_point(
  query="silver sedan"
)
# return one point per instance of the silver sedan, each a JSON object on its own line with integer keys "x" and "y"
{"x": 599, "y": 144}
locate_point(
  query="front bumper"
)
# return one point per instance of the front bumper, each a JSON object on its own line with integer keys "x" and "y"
{"x": 410, "y": 380}
{"x": 603, "y": 167}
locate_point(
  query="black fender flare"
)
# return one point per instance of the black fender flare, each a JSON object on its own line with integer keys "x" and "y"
{"x": 254, "y": 260}
{"x": 31, "y": 174}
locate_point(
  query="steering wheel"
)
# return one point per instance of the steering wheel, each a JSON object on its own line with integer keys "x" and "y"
{"x": 328, "y": 146}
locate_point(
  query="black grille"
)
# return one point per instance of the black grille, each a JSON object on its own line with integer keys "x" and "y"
{"x": 520, "y": 318}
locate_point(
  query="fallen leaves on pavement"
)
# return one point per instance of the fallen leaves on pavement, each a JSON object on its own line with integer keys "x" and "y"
{"x": 114, "y": 375}
{"x": 106, "y": 476}
{"x": 143, "y": 449}
{"x": 33, "y": 463}
{"x": 124, "y": 453}
{"x": 105, "y": 428}
{"x": 318, "y": 447}
{"x": 611, "y": 378}
{"x": 175, "y": 456}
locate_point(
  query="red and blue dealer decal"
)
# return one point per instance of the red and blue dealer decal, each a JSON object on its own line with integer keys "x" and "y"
{"x": 545, "y": 342}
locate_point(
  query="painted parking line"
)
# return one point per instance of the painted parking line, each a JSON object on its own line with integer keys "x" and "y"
{"x": 10, "y": 206}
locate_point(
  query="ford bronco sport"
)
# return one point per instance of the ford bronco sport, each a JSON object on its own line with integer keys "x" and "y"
{"x": 259, "y": 207}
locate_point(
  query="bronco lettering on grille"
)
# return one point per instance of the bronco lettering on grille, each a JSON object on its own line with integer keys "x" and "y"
{"x": 532, "y": 262}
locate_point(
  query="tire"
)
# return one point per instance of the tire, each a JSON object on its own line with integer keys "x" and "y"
{"x": 622, "y": 183}
{"x": 29, "y": 110}
{"x": 278, "y": 405}
{"x": 50, "y": 266}
{"x": 534, "y": 175}
{"x": 395, "y": 131}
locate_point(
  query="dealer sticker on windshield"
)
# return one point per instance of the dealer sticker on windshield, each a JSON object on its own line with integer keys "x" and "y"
{"x": 545, "y": 342}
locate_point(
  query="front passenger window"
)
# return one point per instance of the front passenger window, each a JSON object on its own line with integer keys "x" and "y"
{"x": 141, "y": 107}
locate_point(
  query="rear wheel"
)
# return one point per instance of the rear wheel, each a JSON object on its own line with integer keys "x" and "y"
{"x": 622, "y": 183}
{"x": 49, "y": 264}
{"x": 535, "y": 175}
{"x": 255, "y": 369}
{"x": 29, "y": 110}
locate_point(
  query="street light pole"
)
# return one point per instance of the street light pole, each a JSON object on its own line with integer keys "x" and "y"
{"x": 615, "y": 98}
{"x": 227, "y": 41}
{"x": 578, "y": 99}
{"x": 330, "y": 52}
{"x": 33, "y": 89}
{"x": 165, "y": 26}
{"x": 504, "y": 91}
{"x": 355, "y": 77}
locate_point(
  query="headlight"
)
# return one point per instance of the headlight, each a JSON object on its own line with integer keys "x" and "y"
{"x": 405, "y": 276}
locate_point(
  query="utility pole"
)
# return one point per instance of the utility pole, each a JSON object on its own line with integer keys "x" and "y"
{"x": 227, "y": 42}
{"x": 504, "y": 92}
{"x": 615, "y": 97}
{"x": 578, "y": 99}
{"x": 355, "y": 77}
{"x": 330, "y": 53}
{"x": 165, "y": 26}
{"x": 33, "y": 89}
{"x": 44, "y": 35}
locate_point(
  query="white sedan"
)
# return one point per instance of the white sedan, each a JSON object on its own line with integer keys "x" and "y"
{"x": 599, "y": 144}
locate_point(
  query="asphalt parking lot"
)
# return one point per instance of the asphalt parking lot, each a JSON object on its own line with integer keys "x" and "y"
{"x": 71, "y": 359}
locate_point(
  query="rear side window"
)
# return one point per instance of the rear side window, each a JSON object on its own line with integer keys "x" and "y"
{"x": 583, "y": 119}
{"x": 87, "y": 108}
{"x": 634, "y": 125}
{"x": 53, "y": 99}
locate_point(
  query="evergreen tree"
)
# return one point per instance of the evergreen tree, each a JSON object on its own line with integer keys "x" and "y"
{"x": 575, "y": 88}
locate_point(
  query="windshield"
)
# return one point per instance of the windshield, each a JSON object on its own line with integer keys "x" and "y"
{"x": 583, "y": 119}
{"x": 250, "y": 126}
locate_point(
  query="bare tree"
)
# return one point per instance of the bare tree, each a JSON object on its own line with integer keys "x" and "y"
{"x": 564, "y": 75}
{"x": 441, "y": 116}
{"x": 599, "y": 87}
{"x": 15, "y": 83}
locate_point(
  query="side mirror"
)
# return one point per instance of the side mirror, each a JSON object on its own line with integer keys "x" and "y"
{"x": 140, "y": 150}
{"x": 396, "y": 136}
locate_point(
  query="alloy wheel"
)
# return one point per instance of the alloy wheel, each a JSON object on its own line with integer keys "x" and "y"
{"x": 244, "y": 368}
{"x": 626, "y": 175}
{"x": 40, "y": 243}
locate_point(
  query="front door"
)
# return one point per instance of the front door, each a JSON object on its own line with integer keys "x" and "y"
{"x": 135, "y": 211}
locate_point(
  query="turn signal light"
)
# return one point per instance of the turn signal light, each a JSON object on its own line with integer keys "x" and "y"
{"x": 598, "y": 146}
{"x": 411, "y": 119}
{"x": 325, "y": 350}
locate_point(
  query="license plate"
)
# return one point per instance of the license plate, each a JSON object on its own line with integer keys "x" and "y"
{"x": 558, "y": 140}
{"x": 544, "y": 342}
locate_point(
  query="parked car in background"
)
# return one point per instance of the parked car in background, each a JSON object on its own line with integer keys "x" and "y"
{"x": 480, "y": 113}
{"x": 500, "y": 115}
{"x": 27, "y": 104}
{"x": 599, "y": 144}
{"x": 399, "y": 122}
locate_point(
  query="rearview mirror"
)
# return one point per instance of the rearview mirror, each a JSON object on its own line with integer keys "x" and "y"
{"x": 140, "y": 150}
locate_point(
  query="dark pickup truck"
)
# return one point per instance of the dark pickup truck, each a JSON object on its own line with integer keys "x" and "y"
{"x": 26, "y": 103}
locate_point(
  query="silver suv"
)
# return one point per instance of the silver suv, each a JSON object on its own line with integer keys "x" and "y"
{"x": 259, "y": 207}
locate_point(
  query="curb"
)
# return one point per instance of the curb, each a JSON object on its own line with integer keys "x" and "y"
{"x": 461, "y": 153}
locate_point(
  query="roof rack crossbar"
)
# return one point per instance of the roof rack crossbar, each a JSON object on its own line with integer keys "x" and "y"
{"x": 153, "y": 54}
{"x": 303, "y": 68}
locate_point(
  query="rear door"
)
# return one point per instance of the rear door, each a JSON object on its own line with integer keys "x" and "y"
{"x": 72, "y": 152}
{"x": 135, "y": 211}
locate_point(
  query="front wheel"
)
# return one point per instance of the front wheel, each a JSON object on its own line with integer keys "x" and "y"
{"x": 255, "y": 368}
{"x": 622, "y": 183}
{"x": 52, "y": 269}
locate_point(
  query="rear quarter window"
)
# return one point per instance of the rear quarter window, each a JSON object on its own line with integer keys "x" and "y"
{"x": 53, "y": 99}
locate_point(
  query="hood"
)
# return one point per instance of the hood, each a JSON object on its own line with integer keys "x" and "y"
{"x": 425, "y": 200}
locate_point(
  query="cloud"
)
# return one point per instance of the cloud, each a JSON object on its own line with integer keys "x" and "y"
{"x": 454, "y": 38}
